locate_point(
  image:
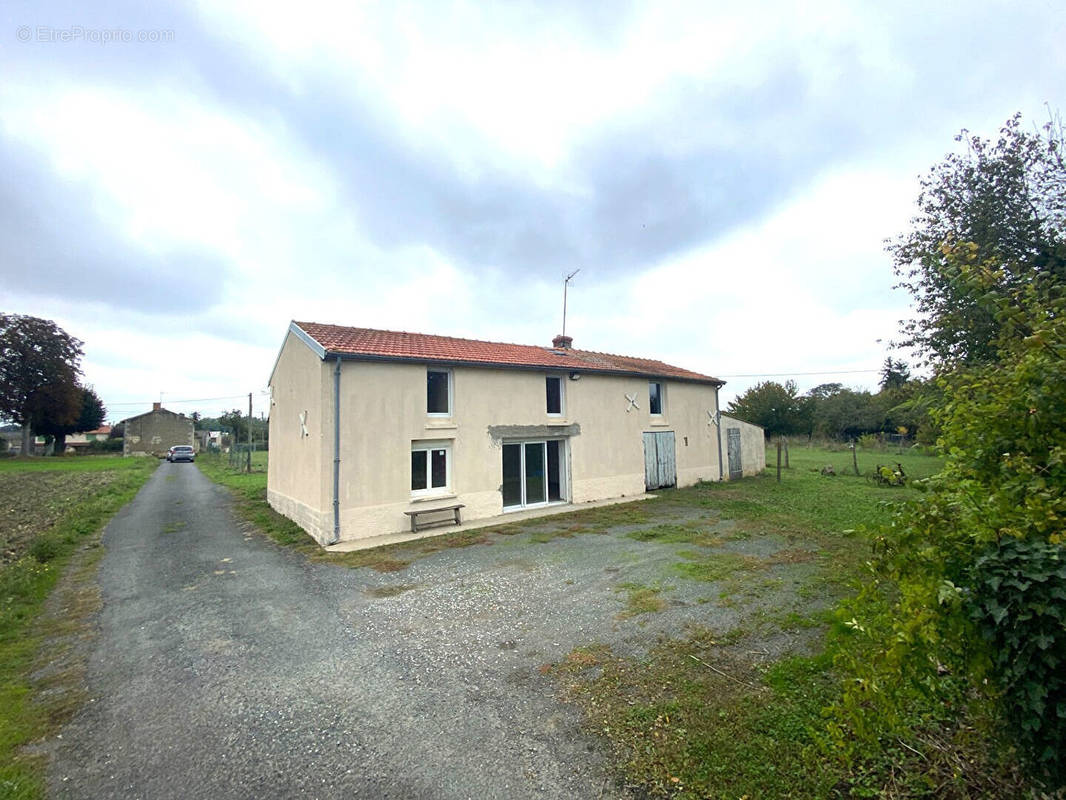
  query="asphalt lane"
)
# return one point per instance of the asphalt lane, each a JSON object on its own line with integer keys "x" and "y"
{"x": 228, "y": 667}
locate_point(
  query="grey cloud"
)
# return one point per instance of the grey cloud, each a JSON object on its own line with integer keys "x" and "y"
{"x": 53, "y": 244}
{"x": 643, "y": 198}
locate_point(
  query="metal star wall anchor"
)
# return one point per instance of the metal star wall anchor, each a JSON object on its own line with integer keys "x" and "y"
{"x": 632, "y": 398}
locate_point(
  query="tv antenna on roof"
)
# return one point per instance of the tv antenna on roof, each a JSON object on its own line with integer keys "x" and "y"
{"x": 566, "y": 283}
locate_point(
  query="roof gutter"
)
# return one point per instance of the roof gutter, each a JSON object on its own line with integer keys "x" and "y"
{"x": 337, "y": 452}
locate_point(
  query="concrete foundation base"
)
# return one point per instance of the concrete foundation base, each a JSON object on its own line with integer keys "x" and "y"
{"x": 502, "y": 519}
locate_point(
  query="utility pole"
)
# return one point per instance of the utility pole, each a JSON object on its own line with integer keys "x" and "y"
{"x": 566, "y": 283}
{"x": 248, "y": 462}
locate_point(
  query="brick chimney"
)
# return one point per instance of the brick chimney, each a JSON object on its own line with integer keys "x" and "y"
{"x": 157, "y": 406}
{"x": 562, "y": 342}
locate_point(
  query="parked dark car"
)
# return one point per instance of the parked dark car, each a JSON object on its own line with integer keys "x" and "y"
{"x": 181, "y": 452}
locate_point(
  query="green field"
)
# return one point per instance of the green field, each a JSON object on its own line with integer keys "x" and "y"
{"x": 55, "y": 509}
{"x": 107, "y": 463}
{"x": 817, "y": 502}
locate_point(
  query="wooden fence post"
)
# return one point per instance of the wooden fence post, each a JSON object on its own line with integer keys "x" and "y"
{"x": 855, "y": 458}
{"x": 786, "y": 454}
{"x": 779, "y": 460}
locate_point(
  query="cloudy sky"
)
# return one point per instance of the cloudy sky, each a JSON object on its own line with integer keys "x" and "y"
{"x": 179, "y": 182}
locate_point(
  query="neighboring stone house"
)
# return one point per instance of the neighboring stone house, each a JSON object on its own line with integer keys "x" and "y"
{"x": 155, "y": 432}
{"x": 369, "y": 426}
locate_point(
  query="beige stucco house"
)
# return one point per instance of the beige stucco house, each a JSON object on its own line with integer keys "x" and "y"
{"x": 368, "y": 427}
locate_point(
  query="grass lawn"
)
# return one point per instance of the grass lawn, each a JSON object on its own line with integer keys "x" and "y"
{"x": 55, "y": 510}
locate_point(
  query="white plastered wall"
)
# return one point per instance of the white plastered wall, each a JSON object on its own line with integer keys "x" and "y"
{"x": 752, "y": 446}
{"x": 299, "y": 480}
{"x": 383, "y": 411}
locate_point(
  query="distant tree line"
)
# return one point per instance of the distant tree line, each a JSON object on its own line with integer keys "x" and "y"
{"x": 833, "y": 411}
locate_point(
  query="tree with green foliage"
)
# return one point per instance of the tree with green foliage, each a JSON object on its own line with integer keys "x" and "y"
{"x": 39, "y": 369}
{"x": 967, "y": 602}
{"x": 910, "y": 407}
{"x": 894, "y": 374}
{"x": 80, "y": 409}
{"x": 236, "y": 424}
{"x": 776, "y": 407}
{"x": 845, "y": 414}
{"x": 1006, "y": 198}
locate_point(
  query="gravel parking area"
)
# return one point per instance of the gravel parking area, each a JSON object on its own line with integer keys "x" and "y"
{"x": 227, "y": 666}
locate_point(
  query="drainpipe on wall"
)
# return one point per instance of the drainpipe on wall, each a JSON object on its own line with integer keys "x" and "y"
{"x": 337, "y": 452}
{"x": 718, "y": 425}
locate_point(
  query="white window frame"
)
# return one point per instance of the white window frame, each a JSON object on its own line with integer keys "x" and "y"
{"x": 451, "y": 393}
{"x": 426, "y": 446}
{"x": 564, "y": 472}
{"x": 662, "y": 399}
{"x": 562, "y": 396}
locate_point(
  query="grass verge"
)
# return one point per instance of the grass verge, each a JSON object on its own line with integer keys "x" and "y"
{"x": 29, "y": 709}
{"x": 695, "y": 720}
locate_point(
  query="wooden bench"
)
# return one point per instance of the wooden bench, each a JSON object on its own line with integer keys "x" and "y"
{"x": 414, "y": 515}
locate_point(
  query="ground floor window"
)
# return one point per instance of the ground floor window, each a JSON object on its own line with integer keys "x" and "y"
{"x": 534, "y": 473}
{"x": 431, "y": 468}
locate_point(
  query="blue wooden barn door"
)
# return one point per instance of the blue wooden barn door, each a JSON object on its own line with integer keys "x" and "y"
{"x": 660, "y": 466}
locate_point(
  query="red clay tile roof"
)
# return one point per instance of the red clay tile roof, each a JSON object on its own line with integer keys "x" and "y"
{"x": 402, "y": 346}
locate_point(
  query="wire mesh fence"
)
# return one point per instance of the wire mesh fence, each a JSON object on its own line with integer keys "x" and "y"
{"x": 247, "y": 457}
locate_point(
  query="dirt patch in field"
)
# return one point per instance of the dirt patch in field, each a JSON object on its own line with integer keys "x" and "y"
{"x": 32, "y": 502}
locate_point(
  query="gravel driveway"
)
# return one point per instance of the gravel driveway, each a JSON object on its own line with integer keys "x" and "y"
{"x": 226, "y": 666}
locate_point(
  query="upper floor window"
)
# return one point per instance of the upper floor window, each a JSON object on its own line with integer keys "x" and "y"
{"x": 438, "y": 392}
{"x": 554, "y": 387}
{"x": 655, "y": 397}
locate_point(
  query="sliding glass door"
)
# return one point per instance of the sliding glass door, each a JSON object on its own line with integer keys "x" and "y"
{"x": 512, "y": 475}
{"x": 533, "y": 473}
